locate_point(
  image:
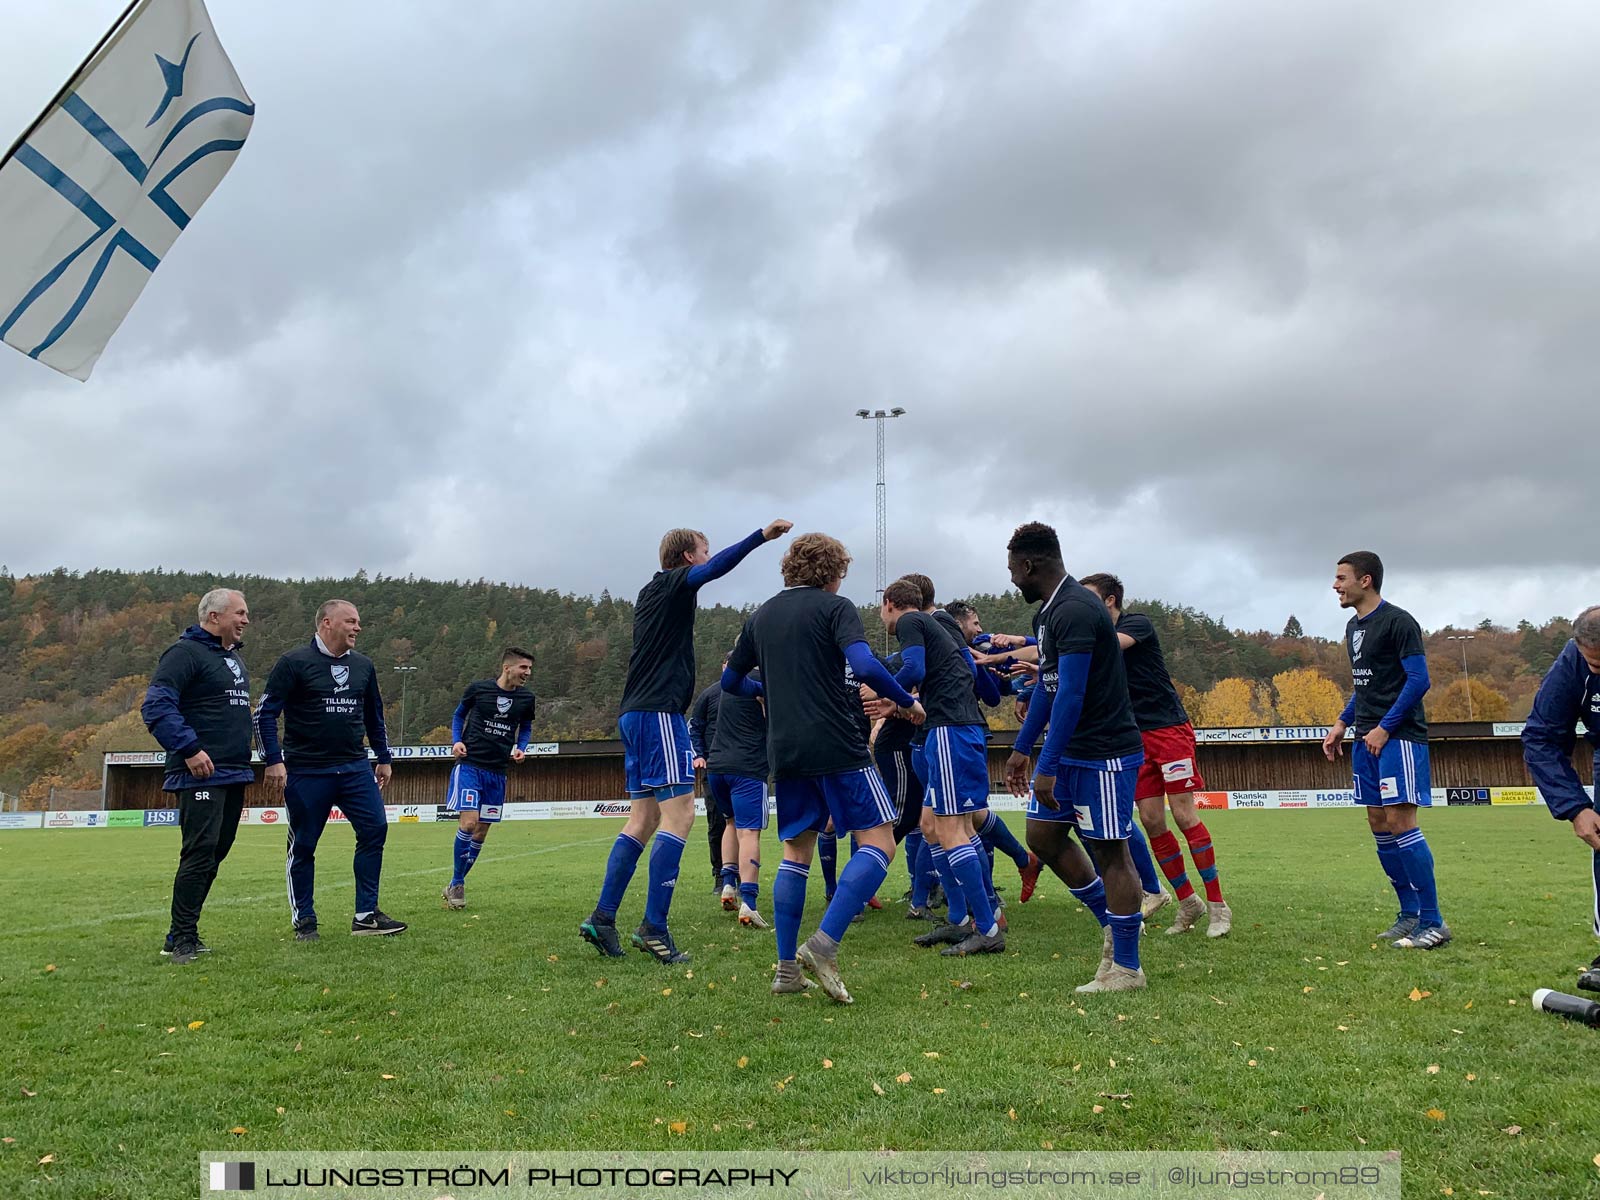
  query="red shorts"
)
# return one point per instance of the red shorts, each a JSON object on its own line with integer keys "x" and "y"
{"x": 1169, "y": 764}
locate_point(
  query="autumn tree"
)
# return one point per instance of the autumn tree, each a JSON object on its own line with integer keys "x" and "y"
{"x": 1450, "y": 703}
{"x": 1292, "y": 628}
{"x": 1306, "y": 697}
{"x": 1235, "y": 702}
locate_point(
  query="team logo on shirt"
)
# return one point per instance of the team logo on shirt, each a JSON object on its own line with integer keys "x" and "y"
{"x": 238, "y": 674}
{"x": 1356, "y": 639}
{"x": 341, "y": 674}
{"x": 502, "y": 705}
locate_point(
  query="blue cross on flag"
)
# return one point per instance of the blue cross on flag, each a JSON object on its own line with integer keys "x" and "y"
{"x": 95, "y": 194}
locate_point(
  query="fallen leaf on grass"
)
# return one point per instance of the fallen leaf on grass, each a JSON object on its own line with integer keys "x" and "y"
{"x": 1116, "y": 1095}
{"x": 1418, "y": 994}
{"x": 1467, "y": 1005}
{"x": 386, "y": 1077}
{"x": 903, "y": 1077}
{"x": 678, "y": 1127}
{"x": 1112, "y": 1061}
{"x": 324, "y": 991}
{"x": 1307, "y": 990}
{"x": 783, "y": 1083}
{"x": 938, "y": 1091}
{"x": 28, "y": 1094}
{"x": 551, "y": 958}
{"x": 172, "y": 1029}
{"x": 1342, "y": 1028}
{"x": 49, "y": 967}
{"x": 1435, "y": 1114}
{"x": 1433, "y": 1068}
{"x": 642, "y": 1060}
{"x": 196, "y": 1024}
{"x": 877, "y": 1087}
{"x": 238, "y": 1131}
{"x": 1471, "y": 1077}
{"x": 827, "y": 1064}
{"x": 744, "y": 1061}
{"x": 1513, "y": 1130}
{"x": 1047, "y": 1145}
{"x": 930, "y": 1054}
{"x": 297, "y": 1048}
{"x": 666, "y": 991}
{"x": 1098, "y": 1108}
{"x": 1012, "y": 1113}
{"x": 601, "y": 982}
{"x": 688, "y": 974}
{"x": 48, "y": 1158}
{"x": 1251, "y": 1063}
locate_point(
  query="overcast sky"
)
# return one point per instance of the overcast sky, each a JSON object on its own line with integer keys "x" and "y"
{"x": 1221, "y": 290}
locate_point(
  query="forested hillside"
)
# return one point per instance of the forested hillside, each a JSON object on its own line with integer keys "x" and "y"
{"x": 76, "y": 651}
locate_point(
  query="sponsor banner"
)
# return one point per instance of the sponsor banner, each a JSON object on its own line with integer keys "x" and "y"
{"x": 1338, "y": 799}
{"x": 1211, "y": 799}
{"x": 1252, "y": 799}
{"x": 1269, "y": 733}
{"x": 1210, "y": 735}
{"x": 136, "y": 758}
{"x": 410, "y": 814}
{"x": 160, "y": 816}
{"x": 1508, "y": 728}
{"x": 28, "y": 820}
{"x": 1466, "y": 795}
{"x": 59, "y": 819}
{"x": 1513, "y": 795}
{"x": 526, "y": 810}
{"x": 264, "y": 816}
{"x": 126, "y": 819}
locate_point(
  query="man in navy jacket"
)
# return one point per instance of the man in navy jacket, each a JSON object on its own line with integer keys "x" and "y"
{"x": 328, "y": 697}
{"x": 198, "y": 707}
{"x": 1570, "y": 693}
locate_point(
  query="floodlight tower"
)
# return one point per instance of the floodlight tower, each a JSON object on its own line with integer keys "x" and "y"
{"x": 878, "y": 417}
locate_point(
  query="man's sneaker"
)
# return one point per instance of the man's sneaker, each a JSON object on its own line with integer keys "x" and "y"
{"x": 919, "y": 914}
{"x": 936, "y": 897}
{"x": 1030, "y": 877}
{"x": 875, "y": 903}
{"x": 658, "y": 944}
{"x": 1405, "y": 924}
{"x": 307, "y": 932}
{"x": 200, "y": 947}
{"x": 1116, "y": 979}
{"x": 789, "y": 978}
{"x": 825, "y": 966}
{"x": 730, "y": 898}
{"x": 1153, "y": 902}
{"x": 977, "y": 943}
{"x": 185, "y": 951}
{"x": 1589, "y": 981}
{"x": 1190, "y": 909}
{"x": 377, "y": 924}
{"x": 751, "y": 919}
{"x": 1426, "y": 937}
{"x": 455, "y": 895}
{"x": 602, "y": 935}
{"x": 1221, "y": 918}
{"x": 944, "y": 935}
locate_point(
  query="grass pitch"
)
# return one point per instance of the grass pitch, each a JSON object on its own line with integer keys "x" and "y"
{"x": 497, "y": 1028}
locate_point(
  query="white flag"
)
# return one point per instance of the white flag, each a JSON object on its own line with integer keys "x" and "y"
{"x": 92, "y": 198}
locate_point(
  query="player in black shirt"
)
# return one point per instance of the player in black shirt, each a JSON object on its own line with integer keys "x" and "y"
{"x": 1169, "y": 775}
{"x": 953, "y": 759}
{"x": 328, "y": 696}
{"x": 801, "y": 639}
{"x": 1390, "y": 756}
{"x": 657, "y": 755}
{"x": 702, "y": 733}
{"x": 736, "y": 789}
{"x": 1090, "y": 760}
{"x": 490, "y": 727}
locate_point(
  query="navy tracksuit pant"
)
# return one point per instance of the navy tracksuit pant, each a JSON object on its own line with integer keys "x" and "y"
{"x": 309, "y": 798}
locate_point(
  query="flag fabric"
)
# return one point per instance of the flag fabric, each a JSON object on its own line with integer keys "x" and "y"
{"x": 95, "y": 194}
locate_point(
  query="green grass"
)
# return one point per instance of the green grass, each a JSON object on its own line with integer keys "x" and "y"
{"x": 502, "y": 1030}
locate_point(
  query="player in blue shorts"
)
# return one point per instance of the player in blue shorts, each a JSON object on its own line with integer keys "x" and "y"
{"x": 657, "y": 755}
{"x": 736, "y": 784}
{"x": 801, "y": 639}
{"x": 1091, "y": 757}
{"x": 953, "y": 760}
{"x": 1390, "y": 756}
{"x": 489, "y": 729}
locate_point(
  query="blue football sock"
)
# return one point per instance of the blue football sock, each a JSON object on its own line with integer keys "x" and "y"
{"x": 1417, "y": 860}
{"x": 1394, "y": 866}
{"x": 1125, "y": 939}
{"x": 1142, "y": 862}
{"x": 997, "y": 835}
{"x": 1093, "y": 898}
{"x": 859, "y": 882}
{"x": 624, "y": 858}
{"x": 459, "y": 857}
{"x": 954, "y": 897}
{"x": 748, "y": 893}
{"x": 788, "y": 904}
{"x": 913, "y": 847}
{"x": 923, "y": 878}
{"x": 730, "y": 875}
{"x": 828, "y": 856}
{"x": 665, "y": 856}
{"x": 470, "y": 856}
{"x": 986, "y": 861}
{"x": 965, "y": 863}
